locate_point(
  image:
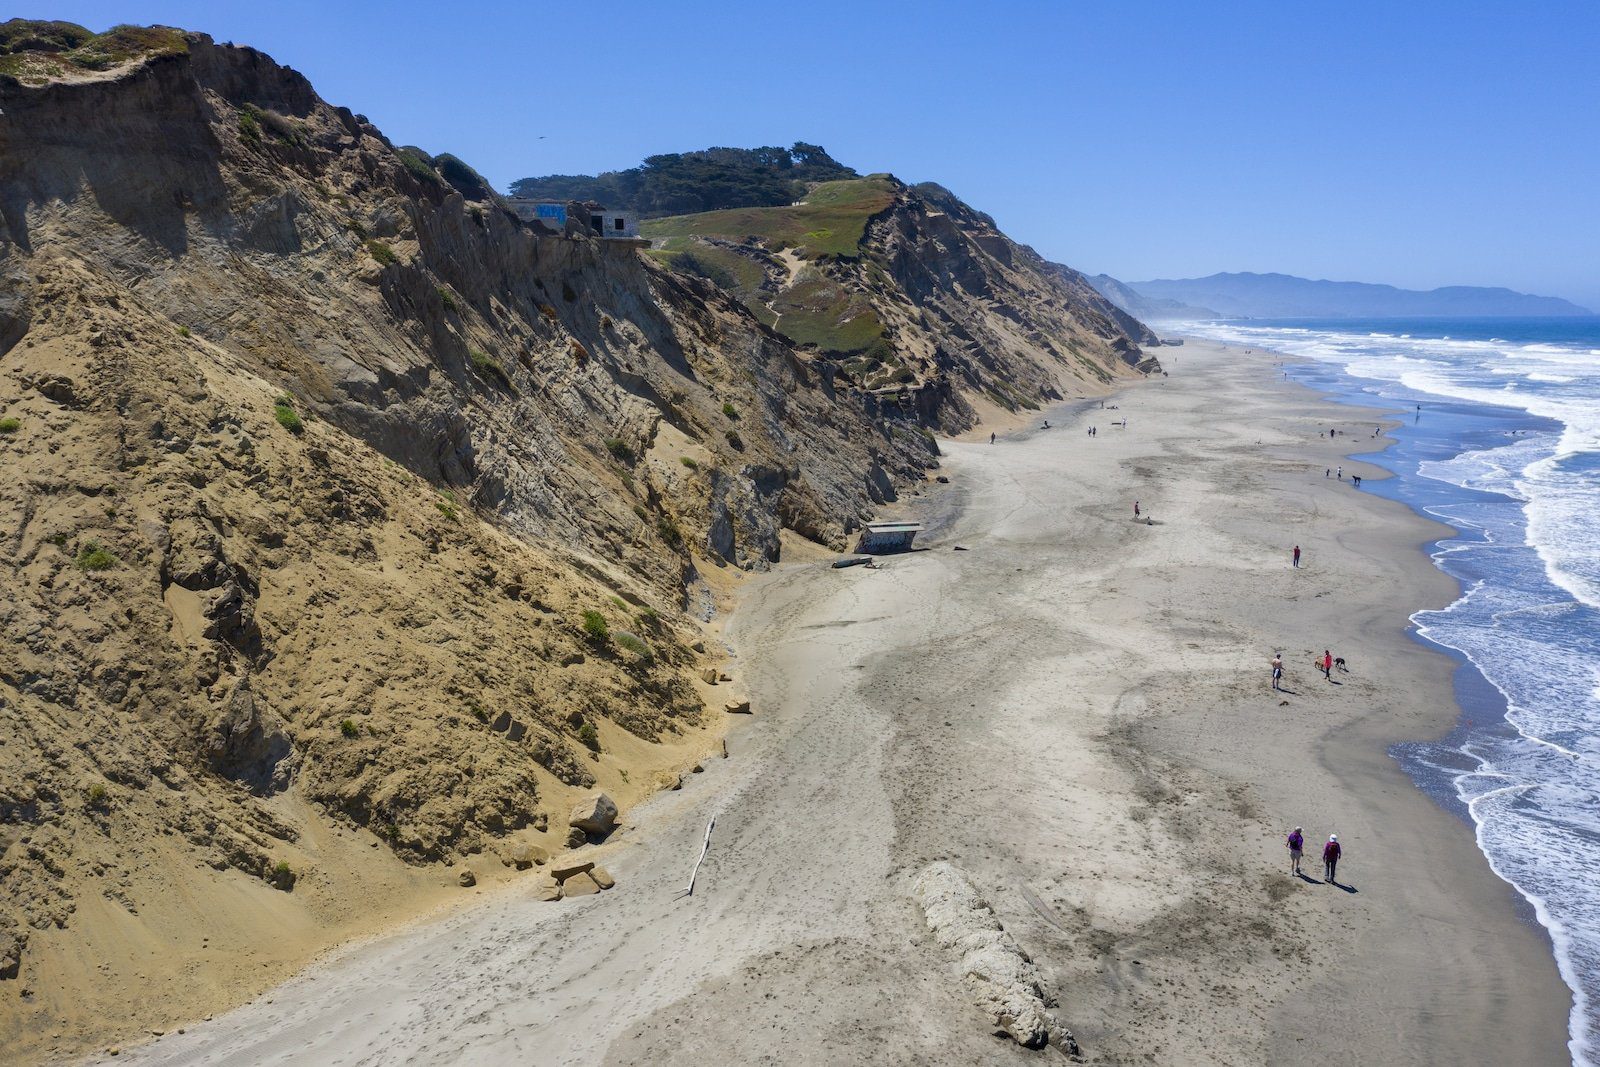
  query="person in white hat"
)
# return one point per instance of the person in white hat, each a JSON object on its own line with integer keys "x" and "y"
{"x": 1330, "y": 858}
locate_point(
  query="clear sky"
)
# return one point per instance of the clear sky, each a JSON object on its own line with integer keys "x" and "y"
{"x": 1411, "y": 142}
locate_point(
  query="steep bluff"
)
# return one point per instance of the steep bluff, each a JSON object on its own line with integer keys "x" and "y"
{"x": 917, "y": 298}
{"x": 350, "y": 528}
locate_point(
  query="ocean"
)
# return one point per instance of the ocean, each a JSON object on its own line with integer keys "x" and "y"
{"x": 1500, "y": 440}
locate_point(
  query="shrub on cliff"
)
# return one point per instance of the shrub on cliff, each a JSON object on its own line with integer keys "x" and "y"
{"x": 283, "y": 410}
{"x": 594, "y": 624}
{"x": 417, "y": 163}
{"x": 381, "y": 252}
{"x": 93, "y": 557}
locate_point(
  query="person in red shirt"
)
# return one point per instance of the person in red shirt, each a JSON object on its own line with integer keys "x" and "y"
{"x": 1297, "y": 555}
{"x": 1330, "y": 858}
{"x": 1326, "y": 664}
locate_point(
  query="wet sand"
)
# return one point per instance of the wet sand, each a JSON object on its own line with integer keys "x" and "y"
{"x": 1077, "y": 712}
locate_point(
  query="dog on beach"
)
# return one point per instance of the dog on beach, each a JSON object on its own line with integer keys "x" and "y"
{"x": 1338, "y": 664}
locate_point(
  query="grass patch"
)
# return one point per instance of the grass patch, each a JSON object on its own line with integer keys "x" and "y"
{"x": 819, "y": 311}
{"x": 669, "y": 532}
{"x": 249, "y": 127}
{"x": 448, "y": 299}
{"x": 830, "y": 222}
{"x": 734, "y": 439}
{"x": 381, "y": 252}
{"x": 348, "y": 728}
{"x": 97, "y": 797}
{"x": 10, "y": 424}
{"x": 633, "y": 644}
{"x": 488, "y": 366}
{"x": 620, "y": 449}
{"x": 594, "y": 624}
{"x": 447, "y": 508}
{"x": 690, "y": 462}
{"x": 729, "y": 410}
{"x": 93, "y": 557}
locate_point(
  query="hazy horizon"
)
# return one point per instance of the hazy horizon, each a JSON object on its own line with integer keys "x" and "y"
{"x": 1443, "y": 144}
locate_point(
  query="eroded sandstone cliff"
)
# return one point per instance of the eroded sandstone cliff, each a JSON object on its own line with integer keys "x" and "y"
{"x": 350, "y": 527}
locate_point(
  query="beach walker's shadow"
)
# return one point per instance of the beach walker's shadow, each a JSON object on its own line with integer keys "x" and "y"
{"x": 1287, "y": 692}
{"x": 1304, "y": 877}
{"x": 1341, "y": 885}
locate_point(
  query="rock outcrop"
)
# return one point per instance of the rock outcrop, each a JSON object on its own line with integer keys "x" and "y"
{"x": 596, "y": 814}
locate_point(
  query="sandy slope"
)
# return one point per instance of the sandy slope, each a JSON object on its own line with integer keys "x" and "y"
{"x": 1076, "y": 711}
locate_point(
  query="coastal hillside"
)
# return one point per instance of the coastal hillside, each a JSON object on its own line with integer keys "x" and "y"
{"x": 913, "y": 296}
{"x": 1146, "y": 308}
{"x": 1284, "y": 296}
{"x": 708, "y": 180}
{"x": 352, "y": 530}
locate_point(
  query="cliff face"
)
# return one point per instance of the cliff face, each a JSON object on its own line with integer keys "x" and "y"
{"x": 915, "y": 297}
{"x": 316, "y": 461}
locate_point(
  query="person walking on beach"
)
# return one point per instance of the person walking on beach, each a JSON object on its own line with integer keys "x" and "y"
{"x": 1277, "y": 671}
{"x": 1136, "y": 509}
{"x": 1326, "y": 663}
{"x": 1297, "y": 555}
{"x": 1327, "y": 472}
{"x": 1330, "y": 859}
{"x": 1341, "y": 472}
{"x": 1297, "y": 843}
{"x": 991, "y": 439}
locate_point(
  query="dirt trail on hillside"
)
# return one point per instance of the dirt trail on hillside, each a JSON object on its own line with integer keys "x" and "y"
{"x": 1075, "y": 712}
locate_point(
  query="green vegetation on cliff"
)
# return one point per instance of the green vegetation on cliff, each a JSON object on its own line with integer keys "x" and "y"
{"x": 35, "y": 50}
{"x": 829, "y": 222}
{"x": 707, "y": 180}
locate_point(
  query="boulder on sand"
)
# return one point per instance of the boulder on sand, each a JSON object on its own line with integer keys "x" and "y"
{"x": 547, "y": 888}
{"x": 709, "y": 676}
{"x": 524, "y": 856}
{"x": 466, "y": 878}
{"x": 737, "y": 706}
{"x": 602, "y": 877}
{"x": 596, "y": 814}
{"x": 563, "y": 869}
{"x": 579, "y": 885}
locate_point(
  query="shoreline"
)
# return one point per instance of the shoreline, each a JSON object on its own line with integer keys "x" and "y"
{"x": 1075, "y": 712}
{"x": 1473, "y": 693}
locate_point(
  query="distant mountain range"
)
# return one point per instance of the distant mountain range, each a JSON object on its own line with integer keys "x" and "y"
{"x": 1284, "y": 296}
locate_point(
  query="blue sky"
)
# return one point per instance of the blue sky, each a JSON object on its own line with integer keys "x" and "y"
{"x": 1413, "y": 143}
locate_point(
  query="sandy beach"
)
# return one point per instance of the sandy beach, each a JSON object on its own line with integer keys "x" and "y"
{"x": 1075, "y": 711}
